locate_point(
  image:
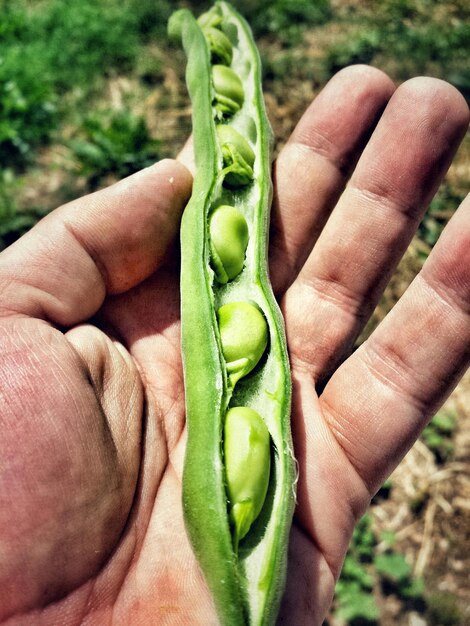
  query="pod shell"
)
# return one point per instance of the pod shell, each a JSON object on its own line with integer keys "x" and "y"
{"x": 247, "y": 588}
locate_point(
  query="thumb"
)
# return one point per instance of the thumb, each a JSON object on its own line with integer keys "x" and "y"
{"x": 104, "y": 243}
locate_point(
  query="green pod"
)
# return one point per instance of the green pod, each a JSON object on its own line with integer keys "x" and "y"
{"x": 246, "y": 584}
{"x": 238, "y": 156}
{"x": 229, "y": 94}
{"x": 220, "y": 45}
{"x": 212, "y": 18}
{"x": 228, "y": 232}
{"x": 247, "y": 456}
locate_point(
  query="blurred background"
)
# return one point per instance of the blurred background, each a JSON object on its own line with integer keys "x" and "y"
{"x": 92, "y": 91}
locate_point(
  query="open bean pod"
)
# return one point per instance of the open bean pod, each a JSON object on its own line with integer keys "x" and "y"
{"x": 239, "y": 474}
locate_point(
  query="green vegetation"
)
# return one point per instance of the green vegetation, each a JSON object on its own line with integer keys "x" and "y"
{"x": 28, "y": 107}
{"x": 14, "y": 223}
{"x": 366, "y": 570}
{"x": 438, "y": 435}
{"x": 354, "y": 590}
{"x": 53, "y": 50}
{"x": 57, "y": 60}
{"x": 286, "y": 19}
{"x": 444, "y": 203}
{"x": 370, "y": 571}
{"x": 112, "y": 141}
{"x": 443, "y": 610}
{"x": 412, "y": 36}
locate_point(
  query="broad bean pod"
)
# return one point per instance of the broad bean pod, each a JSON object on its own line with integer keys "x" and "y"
{"x": 239, "y": 473}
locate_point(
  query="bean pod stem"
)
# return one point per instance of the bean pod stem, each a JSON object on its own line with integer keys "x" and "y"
{"x": 245, "y": 567}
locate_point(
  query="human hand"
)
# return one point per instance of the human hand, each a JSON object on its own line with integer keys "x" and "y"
{"x": 92, "y": 408}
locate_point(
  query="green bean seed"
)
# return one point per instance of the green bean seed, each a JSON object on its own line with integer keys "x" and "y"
{"x": 247, "y": 466}
{"x": 237, "y": 155}
{"x": 220, "y": 45}
{"x": 229, "y": 94}
{"x": 228, "y": 232}
{"x": 244, "y": 337}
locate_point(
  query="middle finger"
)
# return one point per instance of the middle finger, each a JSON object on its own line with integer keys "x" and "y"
{"x": 312, "y": 169}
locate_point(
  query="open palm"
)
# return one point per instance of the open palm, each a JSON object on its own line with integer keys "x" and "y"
{"x": 91, "y": 392}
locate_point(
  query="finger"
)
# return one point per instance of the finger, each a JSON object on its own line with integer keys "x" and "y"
{"x": 312, "y": 169}
{"x": 380, "y": 399}
{"x": 102, "y": 244}
{"x": 186, "y": 156}
{"x": 373, "y": 222}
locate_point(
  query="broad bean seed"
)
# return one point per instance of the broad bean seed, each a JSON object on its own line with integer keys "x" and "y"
{"x": 228, "y": 238}
{"x": 229, "y": 94}
{"x": 247, "y": 459}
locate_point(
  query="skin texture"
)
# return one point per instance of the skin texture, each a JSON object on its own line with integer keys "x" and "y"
{"x": 91, "y": 395}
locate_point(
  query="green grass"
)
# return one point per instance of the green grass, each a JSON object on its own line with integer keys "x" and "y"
{"x": 13, "y": 222}
{"x": 116, "y": 142}
{"x": 439, "y": 435}
{"x": 284, "y": 18}
{"x": 52, "y": 50}
{"x": 409, "y": 36}
{"x": 57, "y": 55}
{"x": 28, "y": 106}
{"x": 366, "y": 571}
